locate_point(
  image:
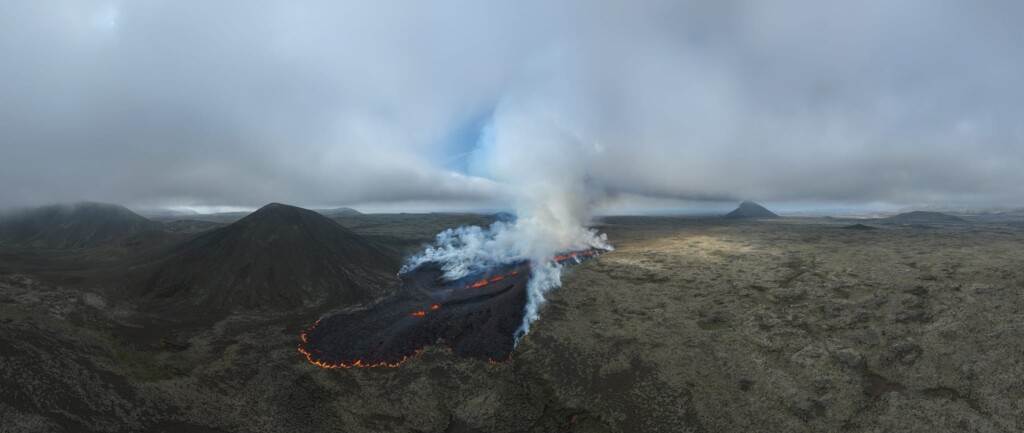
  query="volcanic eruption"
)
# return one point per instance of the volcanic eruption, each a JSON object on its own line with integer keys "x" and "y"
{"x": 487, "y": 284}
{"x": 476, "y": 316}
{"x": 474, "y": 290}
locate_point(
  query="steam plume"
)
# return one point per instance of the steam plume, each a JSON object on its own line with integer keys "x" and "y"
{"x": 534, "y": 150}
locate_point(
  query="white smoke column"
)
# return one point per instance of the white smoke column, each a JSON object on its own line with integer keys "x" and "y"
{"x": 543, "y": 278}
{"x": 469, "y": 250}
{"x": 534, "y": 145}
{"x": 537, "y": 152}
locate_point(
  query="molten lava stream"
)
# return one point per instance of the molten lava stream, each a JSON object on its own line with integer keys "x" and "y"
{"x": 474, "y": 325}
{"x": 557, "y": 259}
{"x": 357, "y": 363}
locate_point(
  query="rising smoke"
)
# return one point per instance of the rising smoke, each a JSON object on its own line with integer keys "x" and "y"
{"x": 469, "y": 250}
{"x": 536, "y": 151}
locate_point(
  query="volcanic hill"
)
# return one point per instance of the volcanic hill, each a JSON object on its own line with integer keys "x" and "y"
{"x": 72, "y": 226}
{"x": 749, "y": 209}
{"x": 920, "y": 216}
{"x": 280, "y": 257}
{"x": 337, "y": 212}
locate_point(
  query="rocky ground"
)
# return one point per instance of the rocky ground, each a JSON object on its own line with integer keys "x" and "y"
{"x": 689, "y": 325}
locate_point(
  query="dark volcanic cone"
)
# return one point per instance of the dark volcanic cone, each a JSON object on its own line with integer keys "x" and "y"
{"x": 749, "y": 209}
{"x": 476, "y": 317}
{"x": 72, "y": 226}
{"x": 277, "y": 258}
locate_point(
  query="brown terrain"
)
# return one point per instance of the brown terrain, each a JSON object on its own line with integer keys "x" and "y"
{"x": 690, "y": 325}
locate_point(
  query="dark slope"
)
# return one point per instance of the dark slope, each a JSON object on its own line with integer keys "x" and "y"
{"x": 279, "y": 258}
{"x": 920, "y": 216}
{"x": 749, "y": 209}
{"x": 72, "y": 226}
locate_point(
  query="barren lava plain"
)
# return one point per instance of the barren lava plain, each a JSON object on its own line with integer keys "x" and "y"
{"x": 690, "y": 325}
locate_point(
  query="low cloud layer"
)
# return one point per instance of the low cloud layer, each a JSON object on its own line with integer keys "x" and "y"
{"x": 153, "y": 103}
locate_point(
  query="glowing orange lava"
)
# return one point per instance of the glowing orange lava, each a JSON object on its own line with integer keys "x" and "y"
{"x": 575, "y": 254}
{"x": 499, "y": 361}
{"x": 357, "y": 363}
{"x": 421, "y": 313}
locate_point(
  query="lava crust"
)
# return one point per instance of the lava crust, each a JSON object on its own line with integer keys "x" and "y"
{"x": 476, "y": 317}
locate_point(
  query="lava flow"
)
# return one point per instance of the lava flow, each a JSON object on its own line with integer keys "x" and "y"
{"x": 476, "y": 317}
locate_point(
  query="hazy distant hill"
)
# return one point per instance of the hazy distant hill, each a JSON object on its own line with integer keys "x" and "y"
{"x": 923, "y": 217}
{"x": 965, "y": 210}
{"x": 504, "y": 217}
{"x": 166, "y": 214}
{"x": 277, "y": 258}
{"x": 749, "y": 209}
{"x": 219, "y": 217}
{"x": 230, "y": 217}
{"x": 190, "y": 226}
{"x": 337, "y": 212}
{"x": 72, "y": 226}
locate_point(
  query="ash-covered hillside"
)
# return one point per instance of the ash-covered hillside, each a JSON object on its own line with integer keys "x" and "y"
{"x": 278, "y": 258}
{"x": 71, "y": 226}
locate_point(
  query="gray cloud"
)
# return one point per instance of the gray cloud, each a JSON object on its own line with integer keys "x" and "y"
{"x": 321, "y": 103}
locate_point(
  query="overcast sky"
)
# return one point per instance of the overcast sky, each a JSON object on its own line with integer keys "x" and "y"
{"x": 211, "y": 103}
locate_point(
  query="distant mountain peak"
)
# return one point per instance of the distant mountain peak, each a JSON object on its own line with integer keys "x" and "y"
{"x": 276, "y": 209}
{"x": 749, "y": 209}
{"x": 279, "y": 216}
